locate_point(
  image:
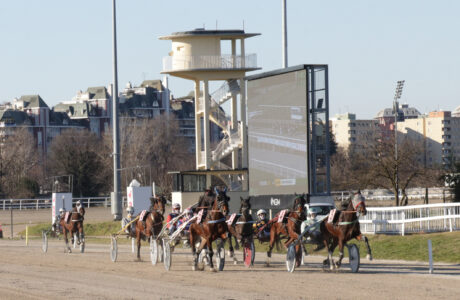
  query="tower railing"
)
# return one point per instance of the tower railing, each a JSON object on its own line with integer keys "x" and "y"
{"x": 226, "y": 61}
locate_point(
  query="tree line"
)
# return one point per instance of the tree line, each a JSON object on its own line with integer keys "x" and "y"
{"x": 149, "y": 148}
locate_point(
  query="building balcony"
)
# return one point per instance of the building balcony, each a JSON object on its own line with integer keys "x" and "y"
{"x": 209, "y": 62}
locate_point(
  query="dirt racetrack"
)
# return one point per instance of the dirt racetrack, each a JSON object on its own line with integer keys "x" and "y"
{"x": 28, "y": 273}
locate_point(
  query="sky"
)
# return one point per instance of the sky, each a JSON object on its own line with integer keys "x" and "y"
{"x": 55, "y": 48}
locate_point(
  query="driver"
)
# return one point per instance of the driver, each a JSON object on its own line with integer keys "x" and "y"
{"x": 262, "y": 233}
{"x": 129, "y": 217}
{"x": 314, "y": 233}
{"x": 174, "y": 213}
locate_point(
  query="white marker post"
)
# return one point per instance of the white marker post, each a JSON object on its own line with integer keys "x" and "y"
{"x": 430, "y": 257}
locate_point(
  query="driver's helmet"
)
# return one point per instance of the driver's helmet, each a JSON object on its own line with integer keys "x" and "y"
{"x": 130, "y": 211}
{"x": 176, "y": 208}
{"x": 261, "y": 213}
{"x": 312, "y": 212}
{"x": 188, "y": 212}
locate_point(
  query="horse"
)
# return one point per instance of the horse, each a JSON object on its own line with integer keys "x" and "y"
{"x": 73, "y": 224}
{"x": 212, "y": 228}
{"x": 242, "y": 225}
{"x": 289, "y": 228}
{"x": 151, "y": 224}
{"x": 344, "y": 227}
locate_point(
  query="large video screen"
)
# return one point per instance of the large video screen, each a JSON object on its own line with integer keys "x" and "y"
{"x": 277, "y": 134}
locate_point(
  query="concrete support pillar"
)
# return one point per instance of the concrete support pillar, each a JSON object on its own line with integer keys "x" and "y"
{"x": 197, "y": 124}
{"x": 244, "y": 132}
{"x": 206, "y": 132}
{"x": 234, "y": 120}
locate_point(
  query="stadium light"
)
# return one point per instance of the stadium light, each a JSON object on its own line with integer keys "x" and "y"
{"x": 398, "y": 93}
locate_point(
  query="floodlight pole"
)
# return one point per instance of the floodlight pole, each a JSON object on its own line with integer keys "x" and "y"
{"x": 284, "y": 36}
{"x": 398, "y": 93}
{"x": 115, "y": 199}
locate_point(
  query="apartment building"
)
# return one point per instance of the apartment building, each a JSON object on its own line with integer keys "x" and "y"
{"x": 439, "y": 133}
{"x": 352, "y": 134}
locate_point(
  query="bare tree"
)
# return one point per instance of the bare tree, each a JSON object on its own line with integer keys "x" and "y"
{"x": 152, "y": 147}
{"x": 82, "y": 154}
{"x": 20, "y": 164}
{"x": 386, "y": 169}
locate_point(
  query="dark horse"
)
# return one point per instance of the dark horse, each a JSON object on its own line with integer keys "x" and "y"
{"x": 288, "y": 228}
{"x": 344, "y": 227}
{"x": 213, "y": 227}
{"x": 151, "y": 223}
{"x": 242, "y": 225}
{"x": 73, "y": 224}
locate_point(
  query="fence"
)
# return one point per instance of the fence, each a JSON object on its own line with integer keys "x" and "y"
{"x": 412, "y": 194}
{"x": 21, "y": 204}
{"x": 411, "y": 219}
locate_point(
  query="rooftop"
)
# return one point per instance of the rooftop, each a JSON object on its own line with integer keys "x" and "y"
{"x": 200, "y": 32}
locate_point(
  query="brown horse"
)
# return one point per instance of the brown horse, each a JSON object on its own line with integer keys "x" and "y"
{"x": 212, "y": 228}
{"x": 344, "y": 227}
{"x": 151, "y": 223}
{"x": 289, "y": 228}
{"x": 73, "y": 224}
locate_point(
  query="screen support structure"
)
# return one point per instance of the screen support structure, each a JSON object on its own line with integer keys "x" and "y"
{"x": 318, "y": 133}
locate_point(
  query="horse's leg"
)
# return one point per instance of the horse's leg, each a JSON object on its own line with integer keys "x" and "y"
{"x": 362, "y": 237}
{"x": 273, "y": 237}
{"x": 211, "y": 253}
{"x": 138, "y": 241}
{"x": 69, "y": 250}
{"x": 330, "y": 251}
{"x": 339, "y": 262}
{"x": 192, "y": 245}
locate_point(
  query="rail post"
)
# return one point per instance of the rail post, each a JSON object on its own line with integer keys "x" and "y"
{"x": 4, "y": 201}
{"x": 89, "y": 202}
{"x": 403, "y": 222}
{"x": 430, "y": 256}
{"x": 11, "y": 212}
{"x": 450, "y": 219}
{"x": 36, "y": 207}
{"x": 20, "y": 204}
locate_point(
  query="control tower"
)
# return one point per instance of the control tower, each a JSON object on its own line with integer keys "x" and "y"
{"x": 197, "y": 55}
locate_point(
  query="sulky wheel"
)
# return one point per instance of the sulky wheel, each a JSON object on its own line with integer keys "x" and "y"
{"x": 291, "y": 258}
{"x": 113, "y": 249}
{"x": 353, "y": 256}
{"x": 44, "y": 241}
{"x": 220, "y": 256}
{"x": 167, "y": 254}
{"x": 153, "y": 251}
{"x": 249, "y": 253}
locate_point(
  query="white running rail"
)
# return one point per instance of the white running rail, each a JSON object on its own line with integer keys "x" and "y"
{"x": 411, "y": 219}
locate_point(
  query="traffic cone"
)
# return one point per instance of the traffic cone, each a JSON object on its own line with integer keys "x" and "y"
{"x": 1, "y": 231}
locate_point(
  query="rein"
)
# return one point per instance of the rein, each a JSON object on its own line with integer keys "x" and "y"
{"x": 216, "y": 221}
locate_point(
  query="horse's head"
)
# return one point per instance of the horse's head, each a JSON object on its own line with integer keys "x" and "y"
{"x": 159, "y": 204}
{"x": 221, "y": 200}
{"x": 299, "y": 203}
{"x": 79, "y": 208}
{"x": 358, "y": 202}
{"x": 245, "y": 205}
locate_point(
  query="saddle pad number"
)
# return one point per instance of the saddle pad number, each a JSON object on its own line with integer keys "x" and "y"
{"x": 66, "y": 217}
{"x": 230, "y": 220}
{"x": 281, "y": 215}
{"x": 141, "y": 216}
{"x": 200, "y": 215}
{"x": 331, "y": 215}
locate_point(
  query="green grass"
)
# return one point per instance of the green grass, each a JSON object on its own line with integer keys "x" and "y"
{"x": 410, "y": 247}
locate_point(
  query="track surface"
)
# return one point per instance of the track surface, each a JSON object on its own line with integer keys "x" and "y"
{"x": 27, "y": 273}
